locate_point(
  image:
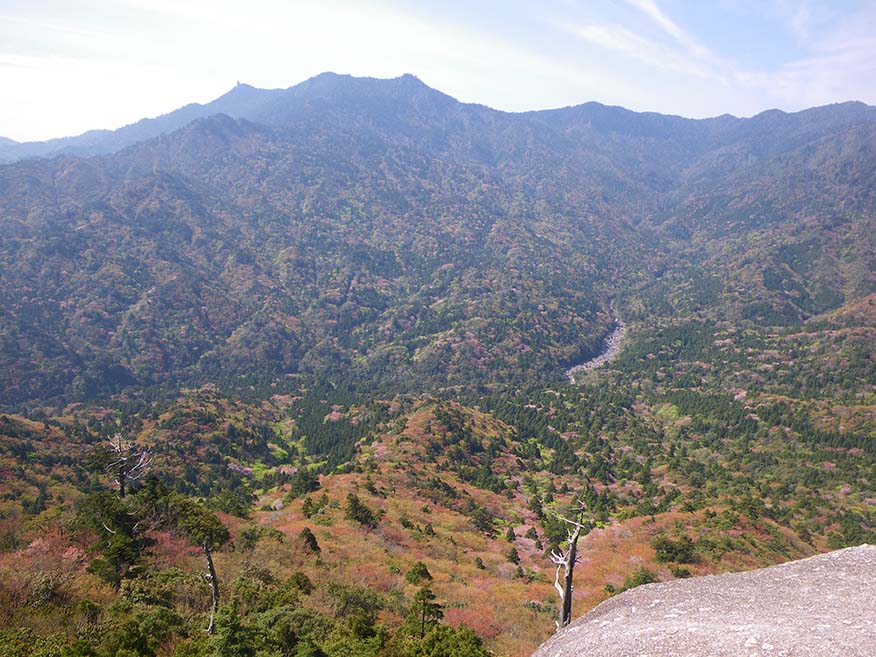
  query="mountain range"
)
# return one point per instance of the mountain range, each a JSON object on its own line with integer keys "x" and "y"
{"x": 335, "y": 322}
{"x": 382, "y": 232}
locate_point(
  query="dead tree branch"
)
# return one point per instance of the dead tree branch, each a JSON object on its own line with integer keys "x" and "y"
{"x": 131, "y": 461}
{"x": 565, "y": 561}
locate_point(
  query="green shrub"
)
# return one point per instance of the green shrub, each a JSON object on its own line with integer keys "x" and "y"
{"x": 418, "y": 573}
{"x": 639, "y": 577}
{"x": 680, "y": 551}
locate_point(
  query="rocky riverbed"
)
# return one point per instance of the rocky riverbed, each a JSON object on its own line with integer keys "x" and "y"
{"x": 611, "y": 348}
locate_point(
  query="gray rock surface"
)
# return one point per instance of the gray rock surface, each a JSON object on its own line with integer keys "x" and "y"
{"x": 823, "y": 606}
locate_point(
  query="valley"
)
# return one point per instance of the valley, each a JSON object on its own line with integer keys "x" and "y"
{"x": 611, "y": 347}
{"x": 372, "y": 339}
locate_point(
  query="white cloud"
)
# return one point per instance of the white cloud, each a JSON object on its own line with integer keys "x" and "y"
{"x": 626, "y": 42}
{"x": 839, "y": 62}
{"x": 652, "y": 11}
{"x": 43, "y": 93}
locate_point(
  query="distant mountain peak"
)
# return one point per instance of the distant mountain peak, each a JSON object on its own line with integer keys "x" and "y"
{"x": 405, "y": 95}
{"x": 410, "y": 78}
{"x": 239, "y": 91}
{"x": 344, "y": 81}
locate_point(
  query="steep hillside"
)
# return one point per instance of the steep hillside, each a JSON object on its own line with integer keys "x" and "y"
{"x": 341, "y": 247}
{"x": 454, "y": 488}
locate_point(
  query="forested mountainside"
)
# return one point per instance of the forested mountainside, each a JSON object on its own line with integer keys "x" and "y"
{"x": 378, "y": 231}
{"x": 335, "y": 320}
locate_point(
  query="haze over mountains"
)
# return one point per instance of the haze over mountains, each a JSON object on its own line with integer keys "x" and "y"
{"x": 380, "y": 231}
{"x": 269, "y": 105}
{"x": 347, "y": 308}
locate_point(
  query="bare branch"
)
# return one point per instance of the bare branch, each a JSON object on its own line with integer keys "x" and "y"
{"x": 574, "y": 523}
{"x": 565, "y": 560}
{"x": 143, "y": 462}
{"x": 560, "y": 589}
{"x": 131, "y": 463}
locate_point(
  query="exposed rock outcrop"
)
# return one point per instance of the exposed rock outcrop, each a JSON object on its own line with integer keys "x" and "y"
{"x": 823, "y": 606}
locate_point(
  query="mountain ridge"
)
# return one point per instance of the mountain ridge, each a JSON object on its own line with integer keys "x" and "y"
{"x": 245, "y": 101}
{"x": 511, "y": 207}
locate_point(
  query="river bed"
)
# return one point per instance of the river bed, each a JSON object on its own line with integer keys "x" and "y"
{"x": 612, "y": 346}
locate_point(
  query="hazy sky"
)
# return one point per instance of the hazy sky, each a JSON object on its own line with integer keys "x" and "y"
{"x": 66, "y": 67}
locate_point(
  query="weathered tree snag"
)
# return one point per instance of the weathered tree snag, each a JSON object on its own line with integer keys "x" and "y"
{"x": 423, "y": 624}
{"x": 130, "y": 462}
{"x": 214, "y": 587}
{"x": 565, "y": 561}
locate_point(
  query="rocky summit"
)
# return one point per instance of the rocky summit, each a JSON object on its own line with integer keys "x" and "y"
{"x": 821, "y": 606}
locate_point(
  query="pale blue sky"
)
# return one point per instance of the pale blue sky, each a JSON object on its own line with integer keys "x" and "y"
{"x": 68, "y": 67}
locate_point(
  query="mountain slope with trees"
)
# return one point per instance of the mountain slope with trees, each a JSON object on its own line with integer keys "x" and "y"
{"x": 380, "y": 231}
{"x": 332, "y": 323}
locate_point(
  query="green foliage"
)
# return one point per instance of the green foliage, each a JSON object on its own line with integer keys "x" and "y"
{"x": 418, "y": 573}
{"x": 23, "y": 642}
{"x": 445, "y": 641}
{"x": 301, "y": 582}
{"x": 356, "y": 511}
{"x": 79, "y": 648}
{"x": 424, "y": 613}
{"x": 638, "y": 577}
{"x": 354, "y": 601}
{"x": 235, "y": 501}
{"x": 482, "y": 521}
{"x": 310, "y": 508}
{"x": 120, "y": 543}
{"x": 304, "y": 481}
{"x": 682, "y": 550}
{"x": 232, "y": 637}
{"x": 139, "y": 630}
{"x": 309, "y": 540}
{"x": 166, "y": 588}
{"x": 200, "y": 526}
{"x": 249, "y": 537}
{"x": 679, "y": 571}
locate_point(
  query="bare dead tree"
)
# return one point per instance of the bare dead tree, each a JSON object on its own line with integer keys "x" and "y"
{"x": 565, "y": 560}
{"x": 130, "y": 461}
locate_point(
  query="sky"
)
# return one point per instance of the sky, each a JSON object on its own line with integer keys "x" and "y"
{"x": 67, "y": 67}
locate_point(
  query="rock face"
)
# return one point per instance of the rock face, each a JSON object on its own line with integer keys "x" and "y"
{"x": 823, "y": 606}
